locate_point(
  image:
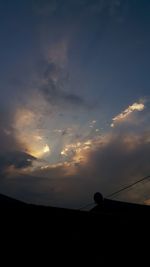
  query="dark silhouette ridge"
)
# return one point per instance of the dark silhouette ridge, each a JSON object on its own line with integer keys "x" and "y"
{"x": 112, "y": 206}
{"x": 102, "y": 207}
{"x": 84, "y": 236}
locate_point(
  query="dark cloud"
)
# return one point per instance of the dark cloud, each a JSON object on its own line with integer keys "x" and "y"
{"x": 17, "y": 159}
{"x": 11, "y": 152}
{"x": 55, "y": 79}
{"x": 58, "y": 97}
{"x": 53, "y": 71}
{"x": 74, "y": 99}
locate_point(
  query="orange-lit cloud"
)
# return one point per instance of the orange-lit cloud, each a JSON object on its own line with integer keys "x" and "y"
{"x": 27, "y": 133}
{"x": 147, "y": 202}
{"x": 126, "y": 113}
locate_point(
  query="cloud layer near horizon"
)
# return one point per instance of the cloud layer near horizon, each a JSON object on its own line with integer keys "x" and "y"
{"x": 114, "y": 160}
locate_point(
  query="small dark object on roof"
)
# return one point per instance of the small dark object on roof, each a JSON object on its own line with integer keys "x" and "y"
{"x": 98, "y": 198}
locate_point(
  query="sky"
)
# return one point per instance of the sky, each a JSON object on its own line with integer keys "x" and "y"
{"x": 74, "y": 100}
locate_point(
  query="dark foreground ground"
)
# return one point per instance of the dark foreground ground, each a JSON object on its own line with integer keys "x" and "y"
{"x": 72, "y": 237}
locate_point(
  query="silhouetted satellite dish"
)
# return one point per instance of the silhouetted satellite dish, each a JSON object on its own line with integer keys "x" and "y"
{"x": 98, "y": 198}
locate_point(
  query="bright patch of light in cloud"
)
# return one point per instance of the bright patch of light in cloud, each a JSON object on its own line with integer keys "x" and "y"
{"x": 46, "y": 149}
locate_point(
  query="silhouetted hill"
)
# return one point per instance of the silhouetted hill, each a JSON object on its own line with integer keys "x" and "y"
{"x": 109, "y": 209}
{"x": 9, "y": 202}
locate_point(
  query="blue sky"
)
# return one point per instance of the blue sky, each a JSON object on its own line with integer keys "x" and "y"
{"x": 69, "y": 70}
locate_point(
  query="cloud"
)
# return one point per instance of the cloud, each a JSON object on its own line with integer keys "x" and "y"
{"x": 104, "y": 163}
{"x": 11, "y": 152}
{"x": 127, "y": 112}
{"x": 49, "y": 8}
{"x": 147, "y": 202}
{"x": 7, "y": 140}
{"x": 62, "y": 26}
{"x": 58, "y": 97}
{"x": 55, "y": 79}
{"x": 16, "y": 160}
{"x": 58, "y": 53}
{"x": 45, "y": 8}
{"x": 113, "y": 161}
